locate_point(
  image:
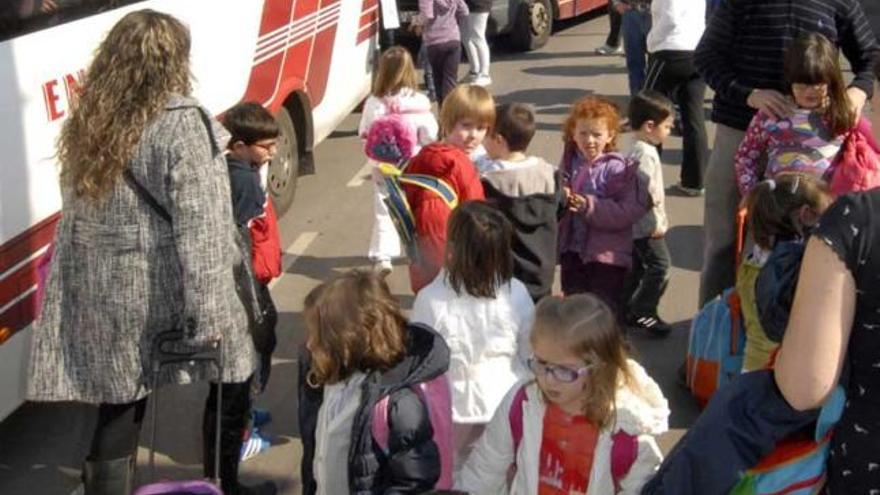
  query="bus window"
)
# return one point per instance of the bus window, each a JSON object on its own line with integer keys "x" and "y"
{"x": 20, "y": 17}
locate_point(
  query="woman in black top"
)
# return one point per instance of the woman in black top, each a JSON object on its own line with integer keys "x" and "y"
{"x": 834, "y": 335}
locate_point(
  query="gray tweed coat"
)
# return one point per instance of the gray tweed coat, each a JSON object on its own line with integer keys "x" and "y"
{"x": 121, "y": 274}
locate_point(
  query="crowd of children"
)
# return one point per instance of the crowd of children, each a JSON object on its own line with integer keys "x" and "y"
{"x": 528, "y": 372}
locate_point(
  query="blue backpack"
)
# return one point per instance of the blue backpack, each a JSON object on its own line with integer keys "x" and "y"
{"x": 716, "y": 346}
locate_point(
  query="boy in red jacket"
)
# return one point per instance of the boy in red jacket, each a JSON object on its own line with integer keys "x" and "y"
{"x": 467, "y": 114}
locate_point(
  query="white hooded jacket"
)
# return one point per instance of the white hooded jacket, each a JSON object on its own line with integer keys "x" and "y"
{"x": 487, "y": 338}
{"x": 641, "y": 411}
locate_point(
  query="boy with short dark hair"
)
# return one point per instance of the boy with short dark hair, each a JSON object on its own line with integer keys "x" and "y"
{"x": 525, "y": 188}
{"x": 651, "y": 115}
{"x": 253, "y": 144}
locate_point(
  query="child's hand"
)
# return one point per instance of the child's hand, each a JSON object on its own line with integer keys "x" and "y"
{"x": 658, "y": 234}
{"x": 566, "y": 193}
{"x": 576, "y": 202}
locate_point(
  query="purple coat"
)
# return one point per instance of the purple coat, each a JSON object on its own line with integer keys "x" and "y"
{"x": 602, "y": 231}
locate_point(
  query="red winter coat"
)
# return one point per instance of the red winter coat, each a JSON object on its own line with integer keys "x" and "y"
{"x": 858, "y": 164}
{"x": 266, "y": 245}
{"x": 430, "y": 212}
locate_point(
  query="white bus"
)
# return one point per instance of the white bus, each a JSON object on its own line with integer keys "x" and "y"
{"x": 308, "y": 61}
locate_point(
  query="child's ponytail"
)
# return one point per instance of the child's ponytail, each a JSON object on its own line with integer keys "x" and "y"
{"x": 774, "y": 206}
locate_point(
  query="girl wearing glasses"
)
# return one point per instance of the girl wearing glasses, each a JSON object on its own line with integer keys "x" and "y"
{"x": 585, "y": 424}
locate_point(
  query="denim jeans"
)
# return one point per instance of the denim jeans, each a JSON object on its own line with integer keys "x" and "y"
{"x": 635, "y": 26}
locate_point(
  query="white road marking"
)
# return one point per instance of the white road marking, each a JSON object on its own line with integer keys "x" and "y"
{"x": 294, "y": 251}
{"x": 362, "y": 175}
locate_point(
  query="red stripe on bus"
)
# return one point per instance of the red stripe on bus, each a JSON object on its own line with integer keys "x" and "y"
{"x": 19, "y": 316}
{"x": 20, "y": 247}
{"x": 21, "y": 280}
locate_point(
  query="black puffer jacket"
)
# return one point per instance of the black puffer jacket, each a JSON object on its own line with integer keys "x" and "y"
{"x": 479, "y": 6}
{"x": 412, "y": 464}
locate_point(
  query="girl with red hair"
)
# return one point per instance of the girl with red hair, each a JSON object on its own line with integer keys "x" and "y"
{"x": 603, "y": 200}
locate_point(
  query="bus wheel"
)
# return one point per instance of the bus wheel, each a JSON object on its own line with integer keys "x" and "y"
{"x": 284, "y": 168}
{"x": 534, "y": 22}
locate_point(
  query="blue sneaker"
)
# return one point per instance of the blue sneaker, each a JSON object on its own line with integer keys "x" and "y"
{"x": 254, "y": 445}
{"x": 260, "y": 417}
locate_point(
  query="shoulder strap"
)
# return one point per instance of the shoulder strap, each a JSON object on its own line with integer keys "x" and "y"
{"x": 515, "y": 418}
{"x": 379, "y": 424}
{"x": 434, "y": 184}
{"x": 624, "y": 451}
{"x": 145, "y": 194}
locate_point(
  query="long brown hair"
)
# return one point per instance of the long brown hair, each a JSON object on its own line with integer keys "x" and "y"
{"x": 143, "y": 60}
{"x": 396, "y": 71}
{"x": 353, "y": 324}
{"x": 774, "y": 206}
{"x": 588, "y": 328}
{"x": 479, "y": 257}
{"x": 812, "y": 59}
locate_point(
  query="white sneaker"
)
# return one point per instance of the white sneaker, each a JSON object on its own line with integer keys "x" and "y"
{"x": 383, "y": 267}
{"x": 469, "y": 78}
{"x": 610, "y": 50}
{"x": 483, "y": 81}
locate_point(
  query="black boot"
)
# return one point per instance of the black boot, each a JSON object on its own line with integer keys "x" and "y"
{"x": 112, "y": 477}
{"x": 233, "y": 421}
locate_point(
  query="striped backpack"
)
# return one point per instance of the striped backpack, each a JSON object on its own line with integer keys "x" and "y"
{"x": 390, "y": 141}
{"x": 797, "y": 464}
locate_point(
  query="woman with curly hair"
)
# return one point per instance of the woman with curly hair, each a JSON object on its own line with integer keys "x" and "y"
{"x": 122, "y": 272}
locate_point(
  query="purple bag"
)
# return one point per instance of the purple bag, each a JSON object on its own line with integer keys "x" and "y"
{"x": 164, "y": 353}
{"x": 179, "y": 488}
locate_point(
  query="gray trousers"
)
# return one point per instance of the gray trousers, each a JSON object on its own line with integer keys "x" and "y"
{"x": 719, "y": 220}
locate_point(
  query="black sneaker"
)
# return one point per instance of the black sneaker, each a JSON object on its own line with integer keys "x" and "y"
{"x": 650, "y": 323}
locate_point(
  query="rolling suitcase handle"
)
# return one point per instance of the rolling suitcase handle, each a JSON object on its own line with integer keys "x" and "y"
{"x": 168, "y": 349}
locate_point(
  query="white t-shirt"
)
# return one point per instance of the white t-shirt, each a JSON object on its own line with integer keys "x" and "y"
{"x": 333, "y": 434}
{"x": 676, "y": 25}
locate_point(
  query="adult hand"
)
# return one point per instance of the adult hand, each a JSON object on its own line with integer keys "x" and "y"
{"x": 771, "y": 102}
{"x": 48, "y": 6}
{"x": 857, "y": 99}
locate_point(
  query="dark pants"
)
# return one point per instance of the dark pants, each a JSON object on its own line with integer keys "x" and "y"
{"x": 614, "y": 34}
{"x": 444, "y": 59}
{"x": 635, "y": 26}
{"x": 604, "y": 281}
{"x": 119, "y": 425}
{"x": 649, "y": 277}
{"x": 673, "y": 74}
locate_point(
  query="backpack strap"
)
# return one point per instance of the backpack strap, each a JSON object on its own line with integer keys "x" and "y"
{"x": 434, "y": 184}
{"x": 515, "y": 418}
{"x": 379, "y": 424}
{"x": 624, "y": 451}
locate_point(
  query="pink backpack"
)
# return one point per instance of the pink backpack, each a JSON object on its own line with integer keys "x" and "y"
{"x": 391, "y": 138}
{"x": 858, "y": 165}
{"x": 624, "y": 447}
{"x": 436, "y": 396}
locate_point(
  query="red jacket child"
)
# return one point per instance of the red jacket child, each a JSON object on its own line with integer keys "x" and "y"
{"x": 430, "y": 212}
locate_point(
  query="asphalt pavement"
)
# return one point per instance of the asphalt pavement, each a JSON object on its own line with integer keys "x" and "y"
{"x": 327, "y": 231}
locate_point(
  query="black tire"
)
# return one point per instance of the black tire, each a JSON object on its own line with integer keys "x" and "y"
{"x": 534, "y": 23}
{"x": 284, "y": 168}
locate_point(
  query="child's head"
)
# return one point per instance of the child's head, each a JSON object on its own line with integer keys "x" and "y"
{"x": 353, "y": 324}
{"x": 513, "y": 130}
{"x": 467, "y": 113}
{"x": 812, "y": 68}
{"x": 652, "y": 115}
{"x": 592, "y": 126}
{"x": 785, "y": 207}
{"x": 254, "y": 133}
{"x": 579, "y": 357}
{"x": 479, "y": 256}
{"x": 396, "y": 71}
